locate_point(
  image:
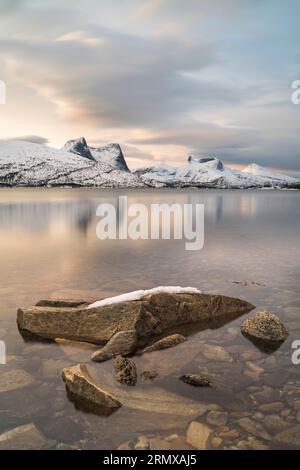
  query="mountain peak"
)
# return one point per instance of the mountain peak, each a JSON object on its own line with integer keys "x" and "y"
{"x": 213, "y": 161}
{"x": 79, "y": 147}
{"x": 110, "y": 154}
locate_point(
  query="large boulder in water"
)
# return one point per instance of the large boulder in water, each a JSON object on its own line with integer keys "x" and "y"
{"x": 265, "y": 329}
{"x": 151, "y": 316}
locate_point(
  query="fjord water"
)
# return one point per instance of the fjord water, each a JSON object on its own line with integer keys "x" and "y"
{"x": 251, "y": 250}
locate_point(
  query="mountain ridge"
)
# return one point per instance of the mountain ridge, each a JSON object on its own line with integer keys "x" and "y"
{"x": 77, "y": 164}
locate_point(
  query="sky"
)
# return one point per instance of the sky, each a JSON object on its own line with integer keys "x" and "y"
{"x": 163, "y": 78}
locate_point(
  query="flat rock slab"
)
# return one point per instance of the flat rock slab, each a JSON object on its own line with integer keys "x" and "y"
{"x": 15, "y": 379}
{"x": 26, "y": 437}
{"x": 154, "y": 399}
{"x": 152, "y": 316}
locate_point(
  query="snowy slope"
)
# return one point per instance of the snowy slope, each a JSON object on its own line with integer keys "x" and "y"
{"x": 29, "y": 164}
{"x": 110, "y": 154}
{"x": 209, "y": 172}
{"x": 257, "y": 170}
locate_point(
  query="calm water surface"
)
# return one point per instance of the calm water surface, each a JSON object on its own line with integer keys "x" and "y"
{"x": 49, "y": 248}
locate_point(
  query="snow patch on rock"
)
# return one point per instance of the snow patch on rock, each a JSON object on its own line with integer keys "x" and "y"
{"x": 139, "y": 294}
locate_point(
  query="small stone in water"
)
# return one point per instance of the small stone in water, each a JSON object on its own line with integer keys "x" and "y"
{"x": 196, "y": 380}
{"x": 217, "y": 418}
{"x": 216, "y": 442}
{"x": 148, "y": 375}
{"x": 125, "y": 371}
{"x": 275, "y": 407}
{"x": 216, "y": 353}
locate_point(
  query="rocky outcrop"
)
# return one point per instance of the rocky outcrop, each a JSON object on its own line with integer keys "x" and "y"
{"x": 125, "y": 369}
{"x": 164, "y": 343}
{"x": 196, "y": 380}
{"x": 79, "y": 323}
{"x": 123, "y": 343}
{"x": 265, "y": 329}
{"x": 150, "y": 317}
{"x": 86, "y": 393}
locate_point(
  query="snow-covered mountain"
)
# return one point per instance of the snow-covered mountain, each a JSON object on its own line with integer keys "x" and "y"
{"x": 77, "y": 164}
{"x": 266, "y": 173}
{"x": 211, "y": 172}
{"x": 111, "y": 154}
{"x": 29, "y": 164}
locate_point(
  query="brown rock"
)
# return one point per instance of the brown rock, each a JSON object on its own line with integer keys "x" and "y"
{"x": 164, "y": 343}
{"x": 275, "y": 407}
{"x": 122, "y": 343}
{"x": 26, "y": 437}
{"x": 216, "y": 353}
{"x": 15, "y": 379}
{"x": 254, "y": 367}
{"x": 199, "y": 435}
{"x": 216, "y": 442}
{"x": 61, "y": 303}
{"x": 217, "y": 418}
{"x": 196, "y": 380}
{"x": 151, "y": 316}
{"x": 230, "y": 435}
{"x": 265, "y": 329}
{"x": 289, "y": 437}
{"x": 148, "y": 375}
{"x": 84, "y": 391}
{"x": 125, "y": 446}
{"x": 165, "y": 444}
{"x": 275, "y": 424}
{"x": 142, "y": 443}
{"x": 126, "y": 372}
{"x": 254, "y": 444}
{"x": 254, "y": 428}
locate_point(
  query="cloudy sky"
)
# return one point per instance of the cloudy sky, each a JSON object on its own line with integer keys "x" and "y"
{"x": 164, "y": 78}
